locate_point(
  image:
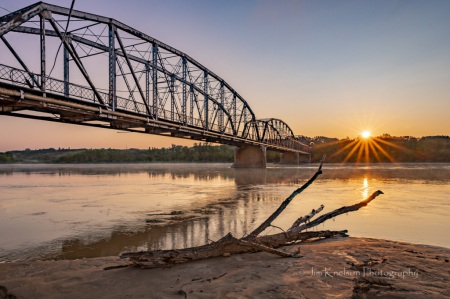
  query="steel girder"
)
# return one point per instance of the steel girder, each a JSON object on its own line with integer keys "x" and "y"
{"x": 277, "y": 132}
{"x": 206, "y": 117}
{"x": 197, "y": 96}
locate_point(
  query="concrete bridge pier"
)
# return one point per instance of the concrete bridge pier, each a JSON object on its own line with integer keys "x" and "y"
{"x": 250, "y": 156}
{"x": 305, "y": 158}
{"x": 289, "y": 158}
{"x": 294, "y": 158}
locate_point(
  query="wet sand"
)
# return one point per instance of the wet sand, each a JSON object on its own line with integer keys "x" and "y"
{"x": 333, "y": 268}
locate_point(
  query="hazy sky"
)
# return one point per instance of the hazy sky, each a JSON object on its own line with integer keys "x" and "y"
{"x": 328, "y": 68}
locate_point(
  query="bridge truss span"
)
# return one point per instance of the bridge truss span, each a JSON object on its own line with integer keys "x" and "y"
{"x": 118, "y": 70}
{"x": 275, "y": 131}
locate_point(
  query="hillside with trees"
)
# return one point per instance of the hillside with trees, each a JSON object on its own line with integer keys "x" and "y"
{"x": 387, "y": 149}
{"x": 384, "y": 148}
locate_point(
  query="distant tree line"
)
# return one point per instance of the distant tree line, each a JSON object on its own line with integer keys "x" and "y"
{"x": 200, "y": 152}
{"x": 399, "y": 149}
{"x": 6, "y": 158}
{"x": 177, "y": 153}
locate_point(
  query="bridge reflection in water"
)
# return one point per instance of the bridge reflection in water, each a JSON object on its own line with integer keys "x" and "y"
{"x": 238, "y": 215}
{"x": 75, "y": 211}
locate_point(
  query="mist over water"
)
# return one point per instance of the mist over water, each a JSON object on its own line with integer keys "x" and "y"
{"x": 76, "y": 211}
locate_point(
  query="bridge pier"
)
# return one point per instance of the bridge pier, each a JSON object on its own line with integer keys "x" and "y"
{"x": 289, "y": 158}
{"x": 305, "y": 158}
{"x": 226, "y": 117}
{"x": 250, "y": 156}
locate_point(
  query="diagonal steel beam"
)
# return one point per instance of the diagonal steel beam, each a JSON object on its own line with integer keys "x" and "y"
{"x": 104, "y": 48}
{"x": 13, "y": 21}
{"x": 12, "y": 15}
{"x": 75, "y": 38}
{"x": 128, "y": 86}
{"x": 124, "y": 52}
{"x": 84, "y": 27}
{"x": 20, "y": 61}
{"x": 17, "y": 18}
{"x": 96, "y": 18}
{"x": 257, "y": 131}
{"x": 77, "y": 61}
{"x": 265, "y": 129}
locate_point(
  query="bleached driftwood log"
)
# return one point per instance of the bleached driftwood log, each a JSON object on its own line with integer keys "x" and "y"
{"x": 253, "y": 242}
{"x": 306, "y": 218}
{"x": 228, "y": 244}
{"x": 337, "y": 212}
{"x": 297, "y": 234}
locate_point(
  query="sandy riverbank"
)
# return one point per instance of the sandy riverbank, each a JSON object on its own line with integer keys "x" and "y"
{"x": 420, "y": 271}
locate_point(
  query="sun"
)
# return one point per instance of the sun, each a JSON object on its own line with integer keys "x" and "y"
{"x": 363, "y": 145}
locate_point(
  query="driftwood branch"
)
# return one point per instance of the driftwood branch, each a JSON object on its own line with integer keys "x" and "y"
{"x": 337, "y": 212}
{"x": 306, "y": 217}
{"x": 230, "y": 245}
{"x": 285, "y": 203}
{"x": 281, "y": 239}
{"x": 267, "y": 249}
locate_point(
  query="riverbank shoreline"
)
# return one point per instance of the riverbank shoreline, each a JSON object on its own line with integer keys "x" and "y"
{"x": 337, "y": 267}
{"x": 278, "y": 164}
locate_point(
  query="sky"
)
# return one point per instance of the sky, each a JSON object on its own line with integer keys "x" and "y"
{"x": 326, "y": 68}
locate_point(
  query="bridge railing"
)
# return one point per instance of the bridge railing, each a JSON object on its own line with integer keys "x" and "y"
{"x": 21, "y": 77}
{"x": 18, "y": 76}
{"x": 24, "y": 78}
{"x": 289, "y": 143}
{"x": 206, "y": 103}
{"x": 130, "y": 105}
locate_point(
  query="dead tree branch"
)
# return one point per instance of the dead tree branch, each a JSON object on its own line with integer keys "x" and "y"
{"x": 281, "y": 239}
{"x": 231, "y": 245}
{"x": 267, "y": 249}
{"x": 337, "y": 212}
{"x": 228, "y": 244}
{"x": 306, "y": 217}
{"x": 285, "y": 203}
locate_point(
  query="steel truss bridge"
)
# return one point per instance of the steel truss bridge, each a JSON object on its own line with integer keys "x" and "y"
{"x": 149, "y": 87}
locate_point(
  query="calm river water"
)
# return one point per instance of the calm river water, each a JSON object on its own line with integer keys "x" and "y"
{"x": 76, "y": 211}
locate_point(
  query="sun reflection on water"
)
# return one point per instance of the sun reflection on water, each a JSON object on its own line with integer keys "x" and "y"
{"x": 129, "y": 207}
{"x": 364, "y": 194}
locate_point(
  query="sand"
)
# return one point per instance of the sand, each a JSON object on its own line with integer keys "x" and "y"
{"x": 333, "y": 268}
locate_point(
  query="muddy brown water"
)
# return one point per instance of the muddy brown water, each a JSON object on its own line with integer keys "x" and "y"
{"x": 77, "y": 211}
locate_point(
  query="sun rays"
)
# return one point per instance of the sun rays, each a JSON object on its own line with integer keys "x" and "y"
{"x": 364, "y": 146}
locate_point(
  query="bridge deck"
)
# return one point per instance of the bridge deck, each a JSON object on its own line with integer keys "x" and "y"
{"x": 19, "y": 101}
{"x": 151, "y": 87}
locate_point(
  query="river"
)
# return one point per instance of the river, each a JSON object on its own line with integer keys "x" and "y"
{"x": 81, "y": 211}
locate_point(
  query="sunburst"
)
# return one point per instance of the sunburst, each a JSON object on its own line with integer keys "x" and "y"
{"x": 366, "y": 145}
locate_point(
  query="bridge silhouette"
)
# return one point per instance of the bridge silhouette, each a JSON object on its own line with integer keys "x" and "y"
{"x": 149, "y": 87}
